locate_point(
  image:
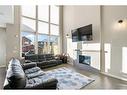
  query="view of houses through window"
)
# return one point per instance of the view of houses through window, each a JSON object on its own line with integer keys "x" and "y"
{"x": 40, "y": 29}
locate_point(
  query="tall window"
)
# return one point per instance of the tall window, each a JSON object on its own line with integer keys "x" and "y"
{"x": 40, "y": 29}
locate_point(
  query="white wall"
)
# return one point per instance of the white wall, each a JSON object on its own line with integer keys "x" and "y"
{"x": 2, "y": 47}
{"x": 6, "y": 15}
{"x": 115, "y": 38}
{"x": 13, "y": 36}
{"x": 78, "y": 16}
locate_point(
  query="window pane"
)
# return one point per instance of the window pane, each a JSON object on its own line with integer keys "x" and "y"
{"x": 28, "y": 46}
{"x": 42, "y": 44}
{"x": 54, "y": 30}
{"x": 43, "y": 13}
{"x": 28, "y": 25}
{"x": 55, "y": 14}
{"x": 29, "y": 11}
{"x": 43, "y": 28}
{"x": 54, "y": 44}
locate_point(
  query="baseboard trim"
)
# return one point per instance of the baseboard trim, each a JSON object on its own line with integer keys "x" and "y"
{"x": 2, "y": 66}
{"x": 124, "y": 79}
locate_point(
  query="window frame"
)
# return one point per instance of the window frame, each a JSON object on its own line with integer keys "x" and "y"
{"x": 36, "y": 33}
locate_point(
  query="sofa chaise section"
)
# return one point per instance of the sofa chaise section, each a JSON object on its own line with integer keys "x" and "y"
{"x": 27, "y": 76}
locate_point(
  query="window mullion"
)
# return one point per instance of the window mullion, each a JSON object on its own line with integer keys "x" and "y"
{"x": 36, "y": 34}
{"x": 49, "y": 32}
{"x": 49, "y": 20}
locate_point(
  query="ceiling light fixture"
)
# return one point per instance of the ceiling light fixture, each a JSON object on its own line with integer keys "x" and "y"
{"x": 120, "y": 21}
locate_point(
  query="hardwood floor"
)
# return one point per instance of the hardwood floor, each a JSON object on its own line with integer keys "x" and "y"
{"x": 101, "y": 81}
{"x": 2, "y": 76}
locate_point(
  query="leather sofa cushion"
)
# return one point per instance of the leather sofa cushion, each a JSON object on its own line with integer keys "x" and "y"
{"x": 41, "y": 58}
{"x": 39, "y": 64}
{"x": 59, "y": 61}
{"x": 32, "y": 70}
{"x": 32, "y": 57}
{"x": 29, "y": 65}
{"x": 38, "y": 80}
{"x": 15, "y": 74}
{"x": 48, "y": 57}
{"x": 53, "y": 61}
{"x": 35, "y": 74}
{"x": 33, "y": 82}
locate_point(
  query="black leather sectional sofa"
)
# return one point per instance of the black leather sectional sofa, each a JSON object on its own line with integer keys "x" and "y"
{"x": 27, "y": 76}
{"x": 43, "y": 61}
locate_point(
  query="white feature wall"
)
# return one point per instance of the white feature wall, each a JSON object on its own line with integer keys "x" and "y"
{"x": 78, "y": 16}
{"x": 115, "y": 40}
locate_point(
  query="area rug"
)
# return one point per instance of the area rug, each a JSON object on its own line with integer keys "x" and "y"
{"x": 69, "y": 79}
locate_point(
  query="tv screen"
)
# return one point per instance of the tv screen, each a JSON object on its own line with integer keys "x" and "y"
{"x": 82, "y": 34}
{"x": 75, "y": 35}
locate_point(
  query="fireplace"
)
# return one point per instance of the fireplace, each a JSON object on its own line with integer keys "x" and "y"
{"x": 83, "y": 59}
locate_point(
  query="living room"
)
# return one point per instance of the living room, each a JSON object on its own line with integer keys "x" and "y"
{"x": 65, "y": 46}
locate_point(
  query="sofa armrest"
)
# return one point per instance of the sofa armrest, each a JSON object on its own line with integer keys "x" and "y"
{"x": 29, "y": 65}
{"x": 49, "y": 84}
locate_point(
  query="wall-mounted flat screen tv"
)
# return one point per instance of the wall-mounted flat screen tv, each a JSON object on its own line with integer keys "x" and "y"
{"x": 75, "y": 36}
{"x": 82, "y": 34}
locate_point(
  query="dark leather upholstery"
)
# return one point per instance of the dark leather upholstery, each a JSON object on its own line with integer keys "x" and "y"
{"x": 44, "y": 61}
{"x": 29, "y": 65}
{"x": 28, "y": 76}
{"x": 32, "y": 57}
{"x": 41, "y": 58}
{"x": 32, "y": 70}
{"x": 45, "y": 85}
{"x": 15, "y": 75}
